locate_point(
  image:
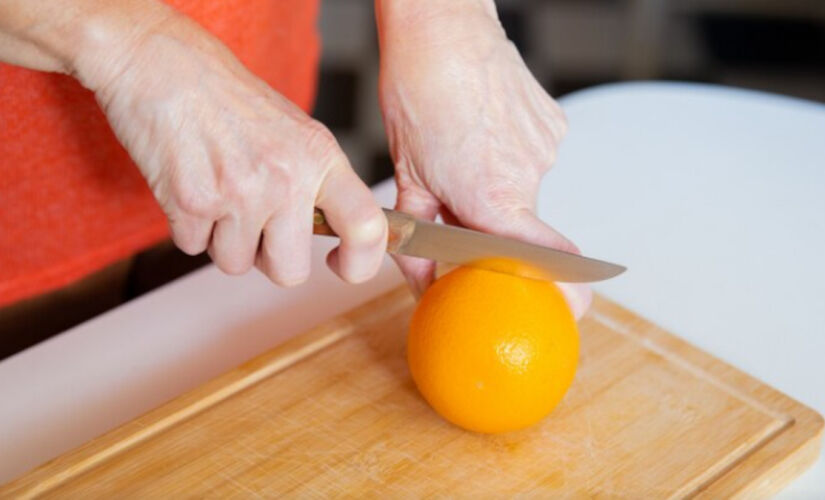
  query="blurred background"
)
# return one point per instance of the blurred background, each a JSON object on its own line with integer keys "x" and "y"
{"x": 772, "y": 45}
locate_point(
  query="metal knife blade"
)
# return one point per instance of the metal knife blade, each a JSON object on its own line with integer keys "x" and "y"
{"x": 456, "y": 245}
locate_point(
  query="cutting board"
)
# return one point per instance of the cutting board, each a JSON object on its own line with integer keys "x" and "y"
{"x": 333, "y": 412}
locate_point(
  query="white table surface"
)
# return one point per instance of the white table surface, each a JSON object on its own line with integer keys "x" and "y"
{"x": 714, "y": 198}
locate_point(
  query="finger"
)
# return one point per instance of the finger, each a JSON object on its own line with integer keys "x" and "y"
{"x": 352, "y": 212}
{"x": 189, "y": 233}
{"x": 286, "y": 242}
{"x": 523, "y": 224}
{"x": 578, "y": 296}
{"x": 555, "y": 118}
{"x": 419, "y": 273}
{"x": 234, "y": 244}
{"x": 549, "y": 110}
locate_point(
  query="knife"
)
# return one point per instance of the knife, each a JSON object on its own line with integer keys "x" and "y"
{"x": 457, "y": 245}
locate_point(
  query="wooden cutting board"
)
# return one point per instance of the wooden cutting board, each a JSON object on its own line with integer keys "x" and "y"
{"x": 333, "y": 412}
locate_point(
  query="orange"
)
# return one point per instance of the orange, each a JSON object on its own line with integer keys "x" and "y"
{"x": 492, "y": 352}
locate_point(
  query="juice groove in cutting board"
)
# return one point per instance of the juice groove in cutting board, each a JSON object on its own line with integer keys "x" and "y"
{"x": 333, "y": 412}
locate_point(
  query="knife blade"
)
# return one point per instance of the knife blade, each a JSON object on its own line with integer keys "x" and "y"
{"x": 457, "y": 245}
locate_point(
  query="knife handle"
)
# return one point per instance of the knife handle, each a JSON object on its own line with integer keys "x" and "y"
{"x": 400, "y": 227}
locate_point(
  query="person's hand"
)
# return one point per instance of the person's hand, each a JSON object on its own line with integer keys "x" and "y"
{"x": 471, "y": 132}
{"x": 236, "y": 167}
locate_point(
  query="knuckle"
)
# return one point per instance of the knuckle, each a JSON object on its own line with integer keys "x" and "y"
{"x": 203, "y": 202}
{"x": 499, "y": 195}
{"x": 281, "y": 188}
{"x": 233, "y": 190}
{"x": 564, "y": 125}
{"x": 556, "y": 120}
{"x": 240, "y": 189}
{"x": 321, "y": 142}
{"x": 318, "y": 133}
{"x": 271, "y": 187}
{"x": 549, "y": 158}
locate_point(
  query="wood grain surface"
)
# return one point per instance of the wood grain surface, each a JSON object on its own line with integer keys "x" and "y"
{"x": 333, "y": 412}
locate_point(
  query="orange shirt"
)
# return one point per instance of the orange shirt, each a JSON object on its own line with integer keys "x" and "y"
{"x": 71, "y": 200}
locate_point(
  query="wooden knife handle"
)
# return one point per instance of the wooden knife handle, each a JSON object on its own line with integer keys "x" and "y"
{"x": 400, "y": 227}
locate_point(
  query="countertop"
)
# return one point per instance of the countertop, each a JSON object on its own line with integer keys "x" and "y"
{"x": 713, "y": 197}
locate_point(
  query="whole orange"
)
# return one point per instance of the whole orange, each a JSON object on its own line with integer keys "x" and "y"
{"x": 492, "y": 352}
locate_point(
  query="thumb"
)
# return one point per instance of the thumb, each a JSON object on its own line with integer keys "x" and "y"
{"x": 578, "y": 296}
{"x": 523, "y": 224}
{"x": 418, "y": 272}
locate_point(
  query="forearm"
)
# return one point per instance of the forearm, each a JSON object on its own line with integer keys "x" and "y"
{"x": 427, "y": 23}
{"x": 77, "y": 37}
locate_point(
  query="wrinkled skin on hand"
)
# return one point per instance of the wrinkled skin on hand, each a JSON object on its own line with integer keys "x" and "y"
{"x": 236, "y": 167}
{"x": 471, "y": 133}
